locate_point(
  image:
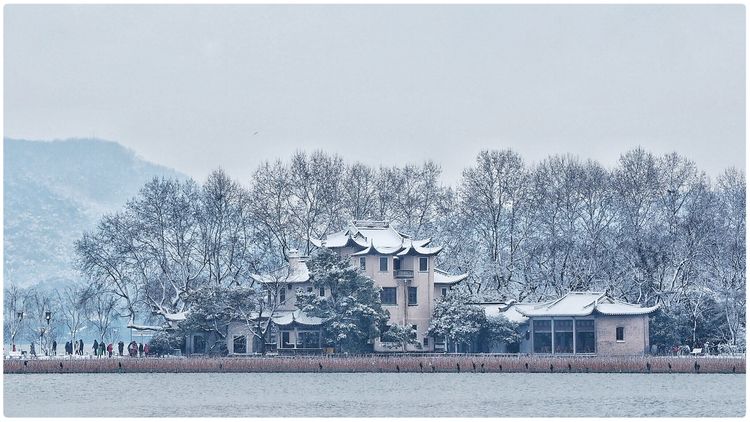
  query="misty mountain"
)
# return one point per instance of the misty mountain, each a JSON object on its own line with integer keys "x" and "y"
{"x": 53, "y": 192}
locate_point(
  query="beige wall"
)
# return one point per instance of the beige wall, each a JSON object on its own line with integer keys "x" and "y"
{"x": 402, "y": 313}
{"x": 635, "y": 341}
{"x": 290, "y": 302}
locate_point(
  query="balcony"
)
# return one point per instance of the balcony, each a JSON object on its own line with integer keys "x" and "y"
{"x": 403, "y": 273}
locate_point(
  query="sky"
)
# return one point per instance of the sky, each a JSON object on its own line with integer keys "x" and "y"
{"x": 201, "y": 87}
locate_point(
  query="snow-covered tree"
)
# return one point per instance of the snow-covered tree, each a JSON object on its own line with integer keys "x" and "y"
{"x": 352, "y": 311}
{"x": 456, "y": 320}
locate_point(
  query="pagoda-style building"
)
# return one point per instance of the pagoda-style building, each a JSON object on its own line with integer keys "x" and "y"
{"x": 405, "y": 270}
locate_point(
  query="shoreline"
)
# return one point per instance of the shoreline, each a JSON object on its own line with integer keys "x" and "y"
{"x": 381, "y": 364}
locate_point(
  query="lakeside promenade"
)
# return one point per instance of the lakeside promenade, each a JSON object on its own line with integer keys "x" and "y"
{"x": 438, "y": 363}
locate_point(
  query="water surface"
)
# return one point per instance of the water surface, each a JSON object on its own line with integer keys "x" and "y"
{"x": 374, "y": 394}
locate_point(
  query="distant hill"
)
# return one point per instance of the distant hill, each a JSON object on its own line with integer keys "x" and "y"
{"x": 53, "y": 192}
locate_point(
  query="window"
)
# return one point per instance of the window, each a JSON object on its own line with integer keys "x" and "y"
{"x": 383, "y": 263}
{"x": 542, "y": 336}
{"x": 414, "y": 333}
{"x": 388, "y": 296}
{"x": 585, "y": 337}
{"x": 289, "y": 286}
{"x": 444, "y": 291}
{"x": 396, "y": 264}
{"x": 564, "y": 336}
{"x": 199, "y": 344}
{"x": 425, "y": 342}
{"x": 620, "y": 333}
{"x": 412, "y": 295}
{"x": 322, "y": 291}
{"x": 282, "y": 296}
{"x": 240, "y": 344}
{"x": 362, "y": 263}
{"x": 423, "y": 263}
{"x": 285, "y": 340}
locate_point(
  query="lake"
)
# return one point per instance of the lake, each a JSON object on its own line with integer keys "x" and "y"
{"x": 373, "y": 395}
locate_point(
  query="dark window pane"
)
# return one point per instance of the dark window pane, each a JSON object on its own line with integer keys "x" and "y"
{"x": 542, "y": 325}
{"x": 585, "y": 342}
{"x": 564, "y": 342}
{"x": 620, "y": 333}
{"x": 585, "y": 325}
{"x": 542, "y": 342}
{"x": 282, "y": 295}
{"x": 322, "y": 291}
{"x": 388, "y": 296}
{"x": 240, "y": 344}
{"x": 362, "y": 263}
{"x": 383, "y": 263}
{"x": 423, "y": 264}
{"x": 412, "y": 295}
{"x": 563, "y": 325}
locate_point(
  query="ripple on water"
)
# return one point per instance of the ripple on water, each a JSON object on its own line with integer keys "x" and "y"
{"x": 377, "y": 394}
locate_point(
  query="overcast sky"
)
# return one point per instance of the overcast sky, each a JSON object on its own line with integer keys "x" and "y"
{"x": 196, "y": 87}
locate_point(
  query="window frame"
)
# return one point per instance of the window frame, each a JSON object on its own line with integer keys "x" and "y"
{"x": 395, "y": 296}
{"x": 409, "y": 291}
{"x": 427, "y": 264}
{"x": 620, "y": 334}
{"x": 363, "y": 263}
{"x": 234, "y": 343}
{"x": 321, "y": 291}
{"x": 383, "y": 259}
{"x": 282, "y": 295}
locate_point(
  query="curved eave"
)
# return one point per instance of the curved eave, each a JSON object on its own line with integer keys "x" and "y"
{"x": 451, "y": 279}
{"x": 418, "y": 250}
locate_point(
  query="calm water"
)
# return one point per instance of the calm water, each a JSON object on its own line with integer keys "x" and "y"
{"x": 260, "y": 395}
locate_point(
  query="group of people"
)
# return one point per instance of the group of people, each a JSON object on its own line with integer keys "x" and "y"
{"x": 74, "y": 347}
{"x": 99, "y": 349}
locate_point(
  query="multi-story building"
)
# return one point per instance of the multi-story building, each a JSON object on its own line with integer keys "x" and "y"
{"x": 404, "y": 268}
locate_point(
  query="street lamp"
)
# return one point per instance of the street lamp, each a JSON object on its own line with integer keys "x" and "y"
{"x": 48, "y": 316}
{"x": 20, "y": 315}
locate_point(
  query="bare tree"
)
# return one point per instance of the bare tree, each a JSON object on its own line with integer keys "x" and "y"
{"x": 14, "y": 307}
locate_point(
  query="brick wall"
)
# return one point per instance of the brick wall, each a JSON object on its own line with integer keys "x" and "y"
{"x": 635, "y": 341}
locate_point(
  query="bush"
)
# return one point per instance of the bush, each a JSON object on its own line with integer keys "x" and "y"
{"x": 164, "y": 343}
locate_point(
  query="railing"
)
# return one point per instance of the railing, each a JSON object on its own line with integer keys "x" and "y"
{"x": 403, "y": 273}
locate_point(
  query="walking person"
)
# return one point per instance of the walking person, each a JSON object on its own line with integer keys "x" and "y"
{"x": 120, "y": 346}
{"x": 96, "y": 347}
{"x": 54, "y": 347}
{"x": 101, "y": 349}
{"x": 145, "y": 350}
{"x": 32, "y": 350}
{"x": 140, "y": 349}
{"x": 75, "y": 347}
{"x": 109, "y": 349}
{"x": 80, "y": 346}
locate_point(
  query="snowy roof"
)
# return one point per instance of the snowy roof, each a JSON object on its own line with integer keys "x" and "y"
{"x": 284, "y": 318}
{"x": 507, "y": 310}
{"x": 442, "y": 277}
{"x": 296, "y": 271}
{"x": 582, "y": 304}
{"x": 376, "y": 237}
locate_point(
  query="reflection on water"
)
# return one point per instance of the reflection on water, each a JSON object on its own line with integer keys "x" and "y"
{"x": 426, "y": 395}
